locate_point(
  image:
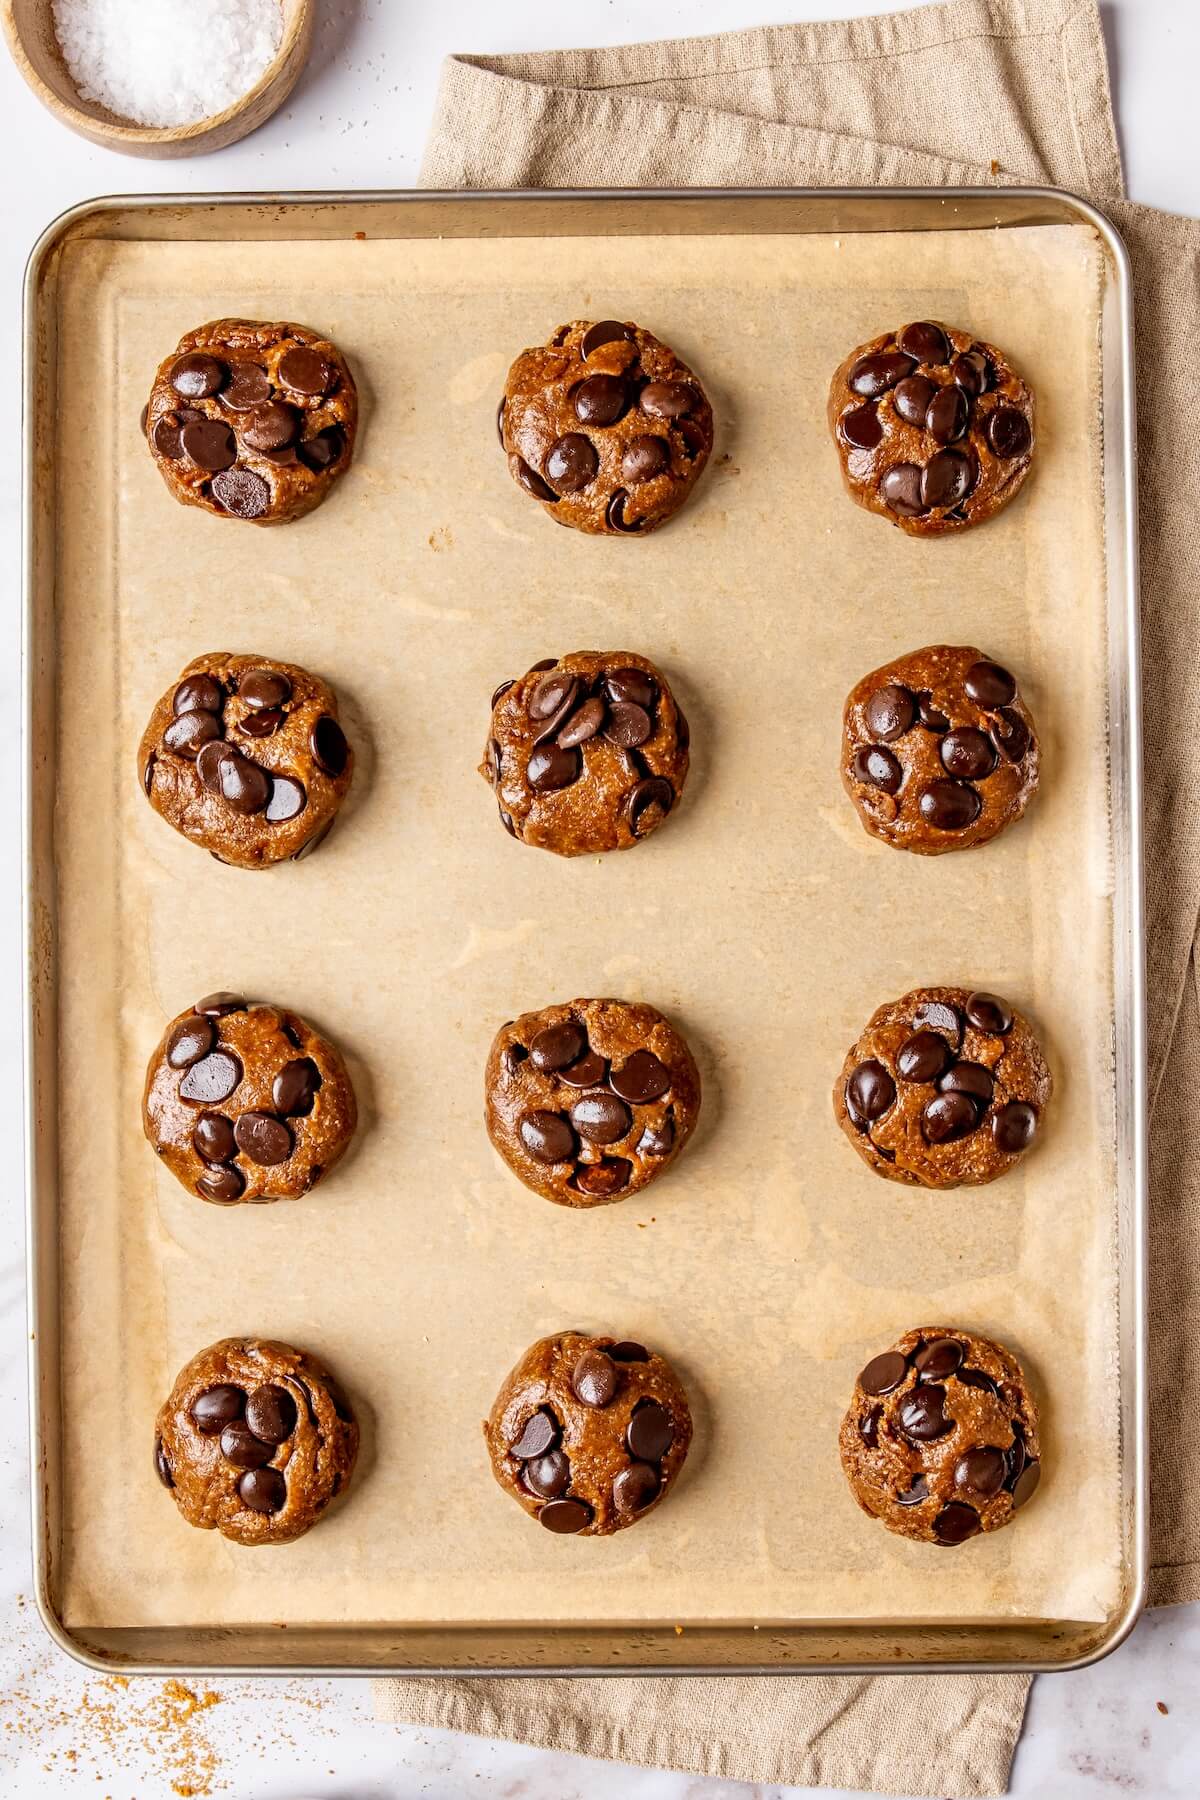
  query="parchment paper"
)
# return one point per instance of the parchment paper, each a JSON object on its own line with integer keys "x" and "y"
{"x": 771, "y": 1262}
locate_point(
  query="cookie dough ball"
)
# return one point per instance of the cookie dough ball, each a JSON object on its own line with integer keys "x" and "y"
{"x": 246, "y": 1102}
{"x": 588, "y": 1433}
{"x": 245, "y": 756}
{"x": 251, "y": 420}
{"x": 591, "y": 1101}
{"x": 254, "y": 1441}
{"x": 606, "y": 427}
{"x": 938, "y": 750}
{"x": 945, "y": 1088}
{"x": 587, "y": 752}
{"x": 934, "y": 428}
{"x": 940, "y": 1441}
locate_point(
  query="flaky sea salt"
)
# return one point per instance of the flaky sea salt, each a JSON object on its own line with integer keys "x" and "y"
{"x": 167, "y": 62}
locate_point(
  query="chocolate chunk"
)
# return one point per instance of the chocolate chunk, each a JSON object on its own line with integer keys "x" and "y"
{"x": 629, "y": 1351}
{"x": 191, "y": 1039}
{"x": 648, "y": 803}
{"x": 198, "y": 693}
{"x": 212, "y": 1079}
{"x": 547, "y": 662}
{"x": 217, "y": 1407}
{"x": 1010, "y": 734}
{"x": 547, "y": 1136}
{"x": 209, "y": 443}
{"x": 165, "y": 436}
{"x": 162, "y": 1467}
{"x": 271, "y": 427}
{"x": 197, "y": 376}
{"x": 216, "y": 1006}
{"x": 264, "y": 688}
{"x": 949, "y": 805}
{"x": 948, "y": 1117}
{"x": 244, "y": 786}
{"x": 222, "y": 1184}
{"x": 500, "y": 421}
{"x": 926, "y": 341}
{"x": 556, "y": 693}
{"x": 603, "y": 1179}
{"x": 657, "y": 1140}
{"x": 977, "y": 1379}
{"x": 989, "y": 685}
{"x": 989, "y": 1014}
{"x": 271, "y": 1414}
{"x": 565, "y": 1516}
{"x": 969, "y": 1078}
{"x": 594, "y": 1378}
{"x": 582, "y": 725}
{"x": 668, "y": 399}
{"x": 936, "y": 1015}
{"x": 547, "y": 1476}
{"x": 1026, "y": 1484}
{"x": 571, "y": 463}
{"x": 939, "y": 1359}
{"x": 242, "y": 493}
{"x": 322, "y": 450}
{"x": 901, "y": 490}
{"x": 614, "y": 516}
{"x": 889, "y": 712}
{"x": 970, "y": 371}
{"x": 265, "y": 1139}
{"x": 868, "y": 1426}
{"x": 1008, "y": 432}
{"x": 601, "y": 1118}
{"x": 644, "y": 458}
{"x": 500, "y": 693}
{"x": 981, "y": 1470}
{"x": 240, "y": 1447}
{"x": 630, "y": 687}
{"x": 913, "y": 1496}
{"x": 956, "y": 1523}
{"x": 533, "y": 484}
{"x": 921, "y": 1417}
{"x": 641, "y": 1079}
{"x": 948, "y": 477}
{"x": 188, "y": 734}
{"x": 949, "y": 411}
{"x": 287, "y": 799}
{"x": 869, "y": 1092}
{"x": 247, "y": 388}
{"x": 923, "y": 1056}
{"x": 883, "y": 1373}
{"x": 550, "y": 768}
{"x": 208, "y": 765}
{"x": 600, "y": 400}
{"x": 875, "y": 374}
{"x": 876, "y": 767}
{"x": 262, "y": 724}
{"x": 558, "y": 1046}
{"x": 968, "y": 753}
{"x": 635, "y": 1487}
{"x": 1015, "y": 1453}
{"x": 1014, "y": 1127}
{"x": 330, "y": 750}
{"x": 306, "y": 371}
{"x": 213, "y": 1139}
{"x": 588, "y": 1072}
{"x": 912, "y": 397}
{"x": 628, "y": 725}
{"x": 295, "y": 1088}
{"x": 263, "y": 1490}
{"x": 651, "y": 1433}
{"x": 540, "y": 1434}
{"x": 931, "y": 717}
{"x": 860, "y": 426}
{"x": 605, "y": 331}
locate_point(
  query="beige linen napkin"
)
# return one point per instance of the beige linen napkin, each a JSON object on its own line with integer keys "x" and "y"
{"x": 1011, "y": 91}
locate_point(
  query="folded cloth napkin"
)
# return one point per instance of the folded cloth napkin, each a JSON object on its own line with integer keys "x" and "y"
{"x": 1013, "y": 91}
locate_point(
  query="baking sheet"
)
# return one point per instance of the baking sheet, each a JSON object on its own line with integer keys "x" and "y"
{"x": 771, "y": 1262}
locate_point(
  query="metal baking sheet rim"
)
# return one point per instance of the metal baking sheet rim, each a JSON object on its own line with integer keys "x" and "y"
{"x": 908, "y": 1649}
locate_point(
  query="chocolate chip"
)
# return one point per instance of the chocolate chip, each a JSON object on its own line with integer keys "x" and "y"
{"x": 262, "y": 724}
{"x": 198, "y": 693}
{"x": 188, "y": 734}
{"x": 247, "y": 388}
{"x": 630, "y": 687}
{"x": 912, "y": 397}
{"x": 936, "y": 1015}
{"x": 635, "y": 1487}
{"x": 629, "y": 1351}
{"x": 263, "y": 1490}
{"x": 926, "y": 341}
{"x": 868, "y": 1426}
{"x": 500, "y": 421}
{"x": 217, "y": 1407}
{"x": 305, "y": 371}
{"x": 264, "y": 688}
{"x": 921, "y": 1417}
{"x": 144, "y": 418}
{"x": 605, "y": 331}
{"x": 218, "y": 1005}
{"x": 989, "y": 1014}
{"x": 918, "y": 1491}
{"x": 875, "y": 374}
{"x": 889, "y": 712}
{"x": 949, "y": 411}
{"x": 1014, "y": 1127}
{"x": 265, "y": 1139}
{"x": 1008, "y": 432}
{"x": 869, "y": 1092}
{"x": 329, "y": 747}
{"x": 861, "y": 427}
{"x": 191, "y": 1039}
{"x": 976, "y": 1378}
{"x": 322, "y": 450}
{"x": 533, "y": 484}
{"x": 939, "y": 1359}
{"x": 212, "y": 1079}
{"x": 668, "y": 399}
{"x": 657, "y": 1140}
{"x": 883, "y": 1373}
{"x": 644, "y": 458}
{"x": 240, "y": 1447}
{"x": 550, "y": 768}
{"x": 222, "y": 1184}
{"x": 243, "y": 785}
{"x": 948, "y": 477}
{"x": 506, "y": 821}
{"x": 1010, "y": 734}
{"x": 540, "y": 1434}
{"x": 209, "y": 443}
{"x": 982, "y": 1470}
{"x": 923, "y": 1056}
{"x": 968, "y": 753}
{"x": 571, "y": 463}
{"x": 603, "y": 1179}
{"x": 601, "y": 1118}
{"x": 930, "y": 716}
{"x": 969, "y": 1078}
{"x": 594, "y": 1378}
{"x": 213, "y": 1139}
{"x": 162, "y": 1467}
{"x": 948, "y": 1117}
{"x": 557, "y": 1046}
{"x": 547, "y": 1136}
{"x": 294, "y": 1089}
{"x": 648, "y": 803}
{"x": 949, "y": 805}
{"x": 970, "y": 371}
{"x": 588, "y": 1072}
{"x": 600, "y": 400}
{"x": 242, "y": 493}
{"x": 628, "y": 725}
{"x": 1015, "y": 1453}
{"x": 271, "y": 1414}
{"x": 641, "y": 1079}
{"x": 876, "y": 767}
{"x": 197, "y": 376}
{"x": 287, "y": 800}
{"x": 547, "y": 1476}
{"x": 901, "y": 490}
{"x": 165, "y": 436}
{"x": 565, "y": 1516}
{"x": 500, "y": 693}
{"x": 956, "y": 1523}
{"x": 271, "y": 427}
{"x": 582, "y": 725}
{"x": 989, "y": 685}
{"x": 614, "y": 515}
{"x": 1026, "y": 1484}
{"x": 550, "y": 695}
{"x": 651, "y": 1433}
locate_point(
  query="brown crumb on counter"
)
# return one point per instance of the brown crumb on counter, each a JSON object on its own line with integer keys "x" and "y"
{"x": 1162, "y": 1707}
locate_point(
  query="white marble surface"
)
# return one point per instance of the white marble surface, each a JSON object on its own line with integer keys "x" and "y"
{"x": 359, "y": 119}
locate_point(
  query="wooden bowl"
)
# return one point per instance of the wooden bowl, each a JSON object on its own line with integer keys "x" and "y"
{"x": 29, "y": 28}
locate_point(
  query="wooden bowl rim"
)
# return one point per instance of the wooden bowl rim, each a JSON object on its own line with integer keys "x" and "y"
{"x": 154, "y": 134}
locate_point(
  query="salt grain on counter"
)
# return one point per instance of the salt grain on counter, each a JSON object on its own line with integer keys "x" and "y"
{"x": 167, "y": 62}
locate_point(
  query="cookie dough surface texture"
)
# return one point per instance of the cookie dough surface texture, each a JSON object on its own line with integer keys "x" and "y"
{"x": 246, "y": 1102}
{"x": 940, "y": 1441}
{"x": 946, "y": 1087}
{"x": 255, "y": 1440}
{"x": 933, "y": 427}
{"x": 244, "y": 755}
{"x": 939, "y": 751}
{"x": 605, "y": 427}
{"x": 252, "y": 420}
{"x": 586, "y": 753}
{"x": 590, "y": 1101}
{"x": 588, "y": 1433}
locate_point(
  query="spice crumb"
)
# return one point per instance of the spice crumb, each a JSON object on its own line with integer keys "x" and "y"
{"x": 1162, "y": 1707}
